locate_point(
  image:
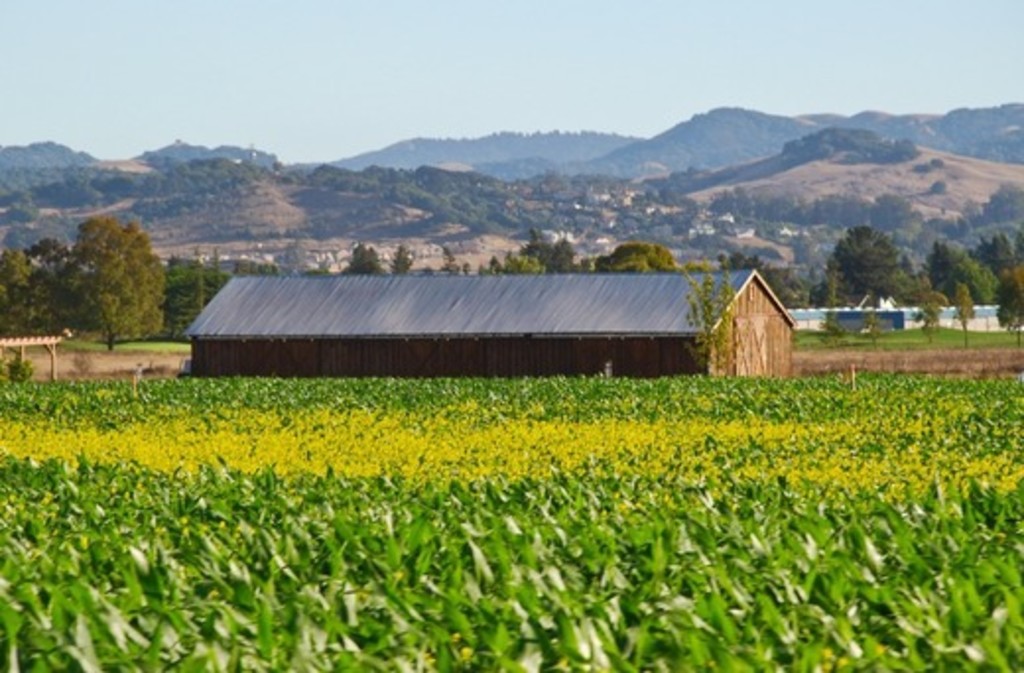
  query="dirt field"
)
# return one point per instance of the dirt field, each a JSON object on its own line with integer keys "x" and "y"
{"x": 96, "y": 365}
{"x": 976, "y": 363}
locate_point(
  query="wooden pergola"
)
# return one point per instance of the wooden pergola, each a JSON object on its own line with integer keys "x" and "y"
{"x": 48, "y": 342}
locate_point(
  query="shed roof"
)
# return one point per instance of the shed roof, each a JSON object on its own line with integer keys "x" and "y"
{"x": 444, "y": 306}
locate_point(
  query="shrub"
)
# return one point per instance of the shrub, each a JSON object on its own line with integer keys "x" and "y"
{"x": 19, "y": 370}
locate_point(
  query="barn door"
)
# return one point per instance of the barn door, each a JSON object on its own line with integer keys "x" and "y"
{"x": 751, "y": 345}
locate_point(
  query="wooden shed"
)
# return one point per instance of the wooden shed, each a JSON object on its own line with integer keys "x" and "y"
{"x": 422, "y": 326}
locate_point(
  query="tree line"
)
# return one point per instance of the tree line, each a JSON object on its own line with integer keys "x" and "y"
{"x": 866, "y": 264}
{"x": 109, "y": 282}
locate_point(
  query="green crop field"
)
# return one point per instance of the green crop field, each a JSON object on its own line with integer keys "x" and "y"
{"x": 522, "y": 525}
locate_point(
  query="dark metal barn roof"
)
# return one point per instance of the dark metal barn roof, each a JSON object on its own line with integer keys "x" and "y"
{"x": 445, "y": 306}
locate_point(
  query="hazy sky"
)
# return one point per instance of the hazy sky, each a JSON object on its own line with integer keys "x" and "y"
{"x": 320, "y": 80}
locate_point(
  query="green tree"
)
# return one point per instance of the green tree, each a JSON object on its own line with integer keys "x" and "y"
{"x": 249, "y": 267}
{"x": 709, "y": 301}
{"x": 1011, "y": 300}
{"x": 365, "y": 261}
{"x": 521, "y": 264}
{"x": 493, "y": 267}
{"x": 872, "y": 326}
{"x": 868, "y": 262}
{"x": 939, "y": 264}
{"x": 557, "y": 257}
{"x": 15, "y": 295}
{"x": 637, "y": 256}
{"x": 1005, "y": 205}
{"x": 978, "y": 278}
{"x": 122, "y": 280}
{"x": 450, "y": 265}
{"x": 833, "y": 331}
{"x": 998, "y": 253}
{"x": 18, "y": 369}
{"x": 55, "y": 288}
{"x": 964, "y": 307}
{"x": 787, "y": 285}
{"x": 401, "y": 263}
{"x": 892, "y": 213}
{"x": 190, "y": 285}
{"x": 949, "y": 266}
{"x": 930, "y": 311}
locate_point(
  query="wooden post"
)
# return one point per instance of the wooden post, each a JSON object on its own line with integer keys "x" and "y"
{"x": 52, "y": 348}
{"x": 853, "y": 376}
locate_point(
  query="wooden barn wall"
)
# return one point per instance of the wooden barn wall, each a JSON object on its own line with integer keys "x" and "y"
{"x": 632, "y": 356}
{"x": 762, "y": 337}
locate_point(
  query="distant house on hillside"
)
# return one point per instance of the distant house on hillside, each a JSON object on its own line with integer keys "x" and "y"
{"x": 418, "y": 326}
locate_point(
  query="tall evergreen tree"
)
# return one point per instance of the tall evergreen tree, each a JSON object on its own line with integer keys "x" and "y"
{"x": 365, "y": 261}
{"x": 401, "y": 263}
{"x": 868, "y": 262}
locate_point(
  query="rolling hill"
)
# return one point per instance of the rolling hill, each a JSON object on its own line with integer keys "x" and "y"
{"x": 965, "y": 181}
{"x": 503, "y": 155}
{"x": 851, "y": 162}
{"x": 718, "y": 138}
{"x": 237, "y": 200}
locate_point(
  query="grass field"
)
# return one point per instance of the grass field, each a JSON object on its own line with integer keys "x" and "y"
{"x": 73, "y": 345}
{"x": 911, "y": 339}
{"x": 521, "y": 525}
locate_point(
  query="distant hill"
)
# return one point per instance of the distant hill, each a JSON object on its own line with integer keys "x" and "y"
{"x": 718, "y": 138}
{"x": 503, "y": 155}
{"x": 862, "y": 164}
{"x": 596, "y": 188}
{"x": 832, "y": 145}
{"x": 986, "y": 133}
{"x": 180, "y": 152}
{"x": 729, "y": 136}
{"x": 23, "y": 167}
{"x": 236, "y": 205}
{"x": 42, "y": 156}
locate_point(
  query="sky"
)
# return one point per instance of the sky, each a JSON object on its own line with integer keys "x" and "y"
{"x": 322, "y": 80}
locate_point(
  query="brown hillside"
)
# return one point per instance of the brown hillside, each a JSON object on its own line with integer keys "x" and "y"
{"x": 126, "y": 166}
{"x": 265, "y": 212}
{"x": 967, "y": 181}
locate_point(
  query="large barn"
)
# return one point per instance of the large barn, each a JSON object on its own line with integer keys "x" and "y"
{"x": 420, "y": 326}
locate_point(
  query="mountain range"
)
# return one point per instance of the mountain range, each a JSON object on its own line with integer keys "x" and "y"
{"x": 721, "y": 137}
{"x": 787, "y": 184}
